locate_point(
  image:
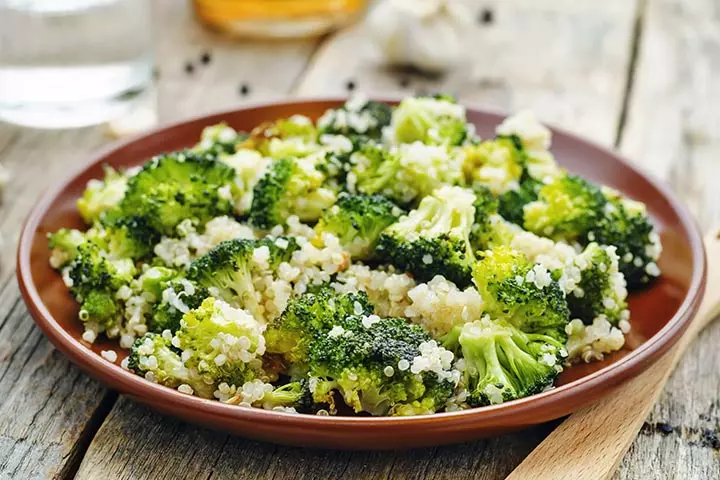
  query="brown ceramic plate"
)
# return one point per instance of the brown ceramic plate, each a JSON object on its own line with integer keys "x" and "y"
{"x": 659, "y": 314}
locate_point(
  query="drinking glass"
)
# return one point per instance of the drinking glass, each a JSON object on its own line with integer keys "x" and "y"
{"x": 72, "y": 63}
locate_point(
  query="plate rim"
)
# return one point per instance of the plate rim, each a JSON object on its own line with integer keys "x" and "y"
{"x": 115, "y": 377}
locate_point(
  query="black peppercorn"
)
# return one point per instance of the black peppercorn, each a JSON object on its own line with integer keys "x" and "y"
{"x": 486, "y": 16}
{"x": 664, "y": 427}
{"x": 189, "y": 68}
{"x": 244, "y": 89}
{"x": 350, "y": 85}
{"x": 205, "y": 58}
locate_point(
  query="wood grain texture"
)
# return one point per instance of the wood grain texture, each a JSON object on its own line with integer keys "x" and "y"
{"x": 135, "y": 442}
{"x": 673, "y": 130}
{"x": 47, "y": 405}
{"x": 267, "y": 70}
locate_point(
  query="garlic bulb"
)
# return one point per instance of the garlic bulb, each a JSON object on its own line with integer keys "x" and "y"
{"x": 426, "y": 34}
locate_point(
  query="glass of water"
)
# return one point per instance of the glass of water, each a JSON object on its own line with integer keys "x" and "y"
{"x": 72, "y": 63}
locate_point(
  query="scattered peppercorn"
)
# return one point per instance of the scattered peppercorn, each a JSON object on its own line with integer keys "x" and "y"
{"x": 663, "y": 427}
{"x": 404, "y": 82}
{"x": 205, "y": 58}
{"x": 486, "y": 16}
{"x": 189, "y": 68}
{"x": 244, "y": 89}
{"x": 350, "y": 85}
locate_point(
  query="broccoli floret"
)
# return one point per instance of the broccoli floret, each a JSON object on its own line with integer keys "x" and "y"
{"x": 566, "y": 208}
{"x": 357, "y": 117}
{"x": 434, "y": 239}
{"x": 501, "y": 363}
{"x": 95, "y": 280}
{"x": 177, "y": 186}
{"x": 64, "y": 245}
{"x": 154, "y": 280}
{"x": 486, "y": 209}
{"x": 437, "y": 120}
{"x": 523, "y": 293}
{"x": 626, "y": 225}
{"x": 290, "y": 186}
{"x": 405, "y": 173}
{"x": 357, "y": 221}
{"x": 288, "y": 137}
{"x": 154, "y": 357}
{"x": 512, "y": 203}
{"x": 219, "y": 140}
{"x": 225, "y": 343}
{"x": 131, "y": 236}
{"x": 100, "y": 306}
{"x": 601, "y": 289}
{"x": 177, "y": 298}
{"x": 498, "y": 164}
{"x": 381, "y": 366}
{"x": 307, "y": 316}
{"x": 295, "y": 394}
{"x": 249, "y": 166}
{"x": 228, "y": 268}
{"x": 102, "y": 195}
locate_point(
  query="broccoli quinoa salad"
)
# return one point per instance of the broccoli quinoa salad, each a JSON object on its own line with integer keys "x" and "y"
{"x": 381, "y": 260}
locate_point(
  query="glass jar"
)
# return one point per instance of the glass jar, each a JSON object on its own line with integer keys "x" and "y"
{"x": 278, "y": 18}
{"x": 72, "y": 63}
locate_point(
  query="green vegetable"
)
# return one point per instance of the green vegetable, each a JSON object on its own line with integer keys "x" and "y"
{"x": 290, "y": 187}
{"x": 154, "y": 357}
{"x": 404, "y": 174}
{"x": 434, "y": 239}
{"x": 177, "y": 297}
{"x": 95, "y": 280}
{"x": 566, "y": 208}
{"x": 357, "y": 221}
{"x": 627, "y": 226}
{"x": 437, "y": 120}
{"x": 521, "y": 293}
{"x": 308, "y": 316}
{"x": 372, "y": 363}
{"x": 356, "y": 118}
{"x": 601, "y": 289}
{"x": 226, "y": 343}
{"x": 102, "y": 195}
{"x": 228, "y": 268}
{"x": 174, "y": 187}
{"x": 501, "y": 363}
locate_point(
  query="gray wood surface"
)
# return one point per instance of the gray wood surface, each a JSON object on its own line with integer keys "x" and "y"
{"x": 572, "y": 65}
{"x": 673, "y": 130}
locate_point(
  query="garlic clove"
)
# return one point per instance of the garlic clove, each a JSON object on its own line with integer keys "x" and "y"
{"x": 426, "y": 34}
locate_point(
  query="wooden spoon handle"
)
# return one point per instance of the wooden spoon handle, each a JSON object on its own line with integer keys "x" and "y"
{"x": 590, "y": 444}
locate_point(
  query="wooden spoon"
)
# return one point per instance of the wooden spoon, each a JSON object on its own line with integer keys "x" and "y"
{"x": 590, "y": 444}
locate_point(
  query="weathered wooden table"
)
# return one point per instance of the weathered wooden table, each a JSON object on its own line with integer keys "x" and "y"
{"x": 642, "y": 76}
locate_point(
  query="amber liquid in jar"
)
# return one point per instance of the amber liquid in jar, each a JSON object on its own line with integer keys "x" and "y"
{"x": 278, "y": 18}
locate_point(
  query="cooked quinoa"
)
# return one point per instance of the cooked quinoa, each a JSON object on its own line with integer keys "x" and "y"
{"x": 385, "y": 258}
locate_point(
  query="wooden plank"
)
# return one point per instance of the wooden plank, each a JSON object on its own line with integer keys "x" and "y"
{"x": 49, "y": 411}
{"x": 47, "y": 408}
{"x": 169, "y": 448}
{"x": 673, "y": 130}
{"x": 268, "y": 69}
{"x": 132, "y": 443}
{"x": 566, "y": 60}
